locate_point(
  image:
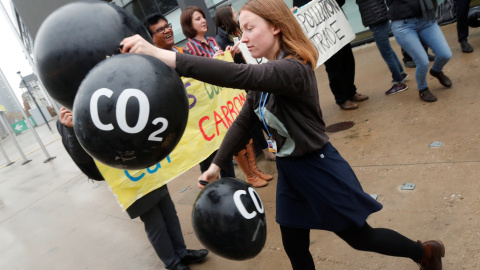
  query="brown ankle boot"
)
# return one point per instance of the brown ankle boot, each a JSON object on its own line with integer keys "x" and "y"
{"x": 252, "y": 161}
{"x": 433, "y": 251}
{"x": 250, "y": 176}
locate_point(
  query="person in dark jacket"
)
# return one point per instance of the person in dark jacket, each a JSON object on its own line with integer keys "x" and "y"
{"x": 412, "y": 21}
{"x": 462, "y": 25}
{"x": 316, "y": 187}
{"x": 374, "y": 15}
{"x": 155, "y": 209}
{"x": 227, "y": 30}
{"x": 341, "y": 72}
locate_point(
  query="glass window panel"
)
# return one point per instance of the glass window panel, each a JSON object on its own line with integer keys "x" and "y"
{"x": 353, "y": 15}
{"x": 211, "y": 3}
{"x": 174, "y": 18}
{"x": 141, "y": 9}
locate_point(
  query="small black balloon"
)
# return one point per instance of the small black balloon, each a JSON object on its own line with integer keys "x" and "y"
{"x": 474, "y": 17}
{"x": 76, "y": 37}
{"x": 229, "y": 219}
{"x": 130, "y": 111}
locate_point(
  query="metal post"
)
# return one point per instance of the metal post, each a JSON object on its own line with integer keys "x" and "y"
{"x": 30, "y": 61}
{"x": 34, "y": 100}
{"x": 6, "y": 157}
{"x": 27, "y": 121}
{"x": 5, "y": 124}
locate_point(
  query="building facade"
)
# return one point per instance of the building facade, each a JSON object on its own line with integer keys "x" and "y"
{"x": 31, "y": 13}
{"x": 35, "y": 91}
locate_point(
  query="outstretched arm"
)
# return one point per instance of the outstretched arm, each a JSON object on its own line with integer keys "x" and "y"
{"x": 286, "y": 77}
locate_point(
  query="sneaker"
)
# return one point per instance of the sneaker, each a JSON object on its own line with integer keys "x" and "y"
{"x": 348, "y": 105}
{"x": 427, "y": 96}
{"x": 396, "y": 88}
{"x": 442, "y": 78}
{"x": 409, "y": 64}
{"x": 404, "y": 77}
{"x": 359, "y": 97}
{"x": 466, "y": 48}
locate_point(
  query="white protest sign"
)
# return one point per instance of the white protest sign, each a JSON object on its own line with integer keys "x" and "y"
{"x": 248, "y": 56}
{"x": 324, "y": 23}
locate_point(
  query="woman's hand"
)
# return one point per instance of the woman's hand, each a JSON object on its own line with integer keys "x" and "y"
{"x": 209, "y": 175}
{"x": 66, "y": 117}
{"x": 136, "y": 44}
{"x": 234, "y": 49}
{"x": 217, "y": 54}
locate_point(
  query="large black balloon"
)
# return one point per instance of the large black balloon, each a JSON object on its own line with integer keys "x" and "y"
{"x": 474, "y": 17}
{"x": 229, "y": 219}
{"x": 130, "y": 111}
{"x": 76, "y": 37}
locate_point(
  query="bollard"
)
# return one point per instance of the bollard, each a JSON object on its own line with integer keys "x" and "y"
{"x": 6, "y": 157}
{"x": 5, "y": 124}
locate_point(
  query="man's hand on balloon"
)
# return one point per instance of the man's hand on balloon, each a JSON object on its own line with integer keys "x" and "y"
{"x": 66, "y": 117}
{"x": 208, "y": 176}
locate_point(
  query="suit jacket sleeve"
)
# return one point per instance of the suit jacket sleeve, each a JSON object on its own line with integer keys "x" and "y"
{"x": 81, "y": 158}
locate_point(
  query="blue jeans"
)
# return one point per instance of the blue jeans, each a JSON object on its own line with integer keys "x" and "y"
{"x": 409, "y": 32}
{"x": 381, "y": 33}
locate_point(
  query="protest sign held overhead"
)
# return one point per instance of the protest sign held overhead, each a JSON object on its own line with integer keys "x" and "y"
{"x": 324, "y": 23}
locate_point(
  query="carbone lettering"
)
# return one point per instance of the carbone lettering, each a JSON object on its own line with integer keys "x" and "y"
{"x": 223, "y": 117}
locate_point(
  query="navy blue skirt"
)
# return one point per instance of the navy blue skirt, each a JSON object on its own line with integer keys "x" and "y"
{"x": 321, "y": 191}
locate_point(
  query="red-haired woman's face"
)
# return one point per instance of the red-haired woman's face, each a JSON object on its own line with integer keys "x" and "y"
{"x": 199, "y": 23}
{"x": 259, "y": 35}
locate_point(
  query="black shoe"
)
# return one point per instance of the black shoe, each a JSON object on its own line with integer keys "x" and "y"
{"x": 466, "y": 48}
{"x": 194, "y": 256}
{"x": 427, "y": 96}
{"x": 431, "y": 58}
{"x": 180, "y": 266}
{"x": 442, "y": 78}
{"x": 409, "y": 64}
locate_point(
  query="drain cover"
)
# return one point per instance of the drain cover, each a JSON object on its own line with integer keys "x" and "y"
{"x": 407, "y": 186}
{"x": 436, "y": 144}
{"x": 340, "y": 126}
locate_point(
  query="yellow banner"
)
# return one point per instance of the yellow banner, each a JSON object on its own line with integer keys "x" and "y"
{"x": 212, "y": 111}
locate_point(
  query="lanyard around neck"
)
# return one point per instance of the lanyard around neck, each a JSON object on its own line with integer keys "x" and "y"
{"x": 261, "y": 105}
{"x": 201, "y": 47}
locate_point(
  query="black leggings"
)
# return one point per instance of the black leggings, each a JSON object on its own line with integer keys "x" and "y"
{"x": 384, "y": 241}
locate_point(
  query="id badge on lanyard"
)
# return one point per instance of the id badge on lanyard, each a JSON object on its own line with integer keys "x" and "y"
{"x": 272, "y": 145}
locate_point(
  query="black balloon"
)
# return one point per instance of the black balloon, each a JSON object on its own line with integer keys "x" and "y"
{"x": 474, "y": 17}
{"x": 76, "y": 37}
{"x": 229, "y": 219}
{"x": 130, "y": 111}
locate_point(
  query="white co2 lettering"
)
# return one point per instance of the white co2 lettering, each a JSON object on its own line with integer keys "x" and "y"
{"x": 121, "y": 112}
{"x": 241, "y": 208}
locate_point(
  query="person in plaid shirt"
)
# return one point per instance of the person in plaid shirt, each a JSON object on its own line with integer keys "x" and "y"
{"x": 194, "y": 27}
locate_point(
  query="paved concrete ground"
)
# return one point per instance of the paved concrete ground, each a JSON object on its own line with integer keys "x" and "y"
{"x": 51, "y": 217}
